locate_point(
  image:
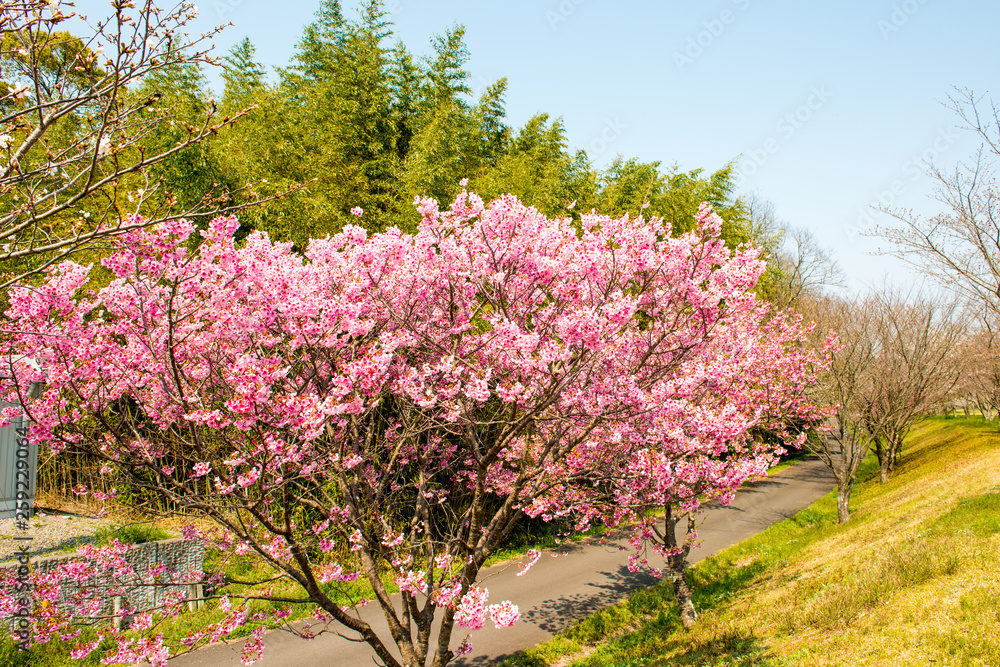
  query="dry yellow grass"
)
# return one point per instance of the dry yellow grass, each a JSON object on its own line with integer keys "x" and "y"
{"x": 893, "y": 587}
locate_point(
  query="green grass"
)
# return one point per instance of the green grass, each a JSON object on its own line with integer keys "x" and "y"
{"x": 134, "y": 533}
{"x": 977, "y": 515}
{"x": 53, "y": 654}
{"x": 548, "y": 537}
{"x": 910, "y": 579}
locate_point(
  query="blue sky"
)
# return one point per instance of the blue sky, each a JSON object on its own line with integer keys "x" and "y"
{"x": 831, "y": 105}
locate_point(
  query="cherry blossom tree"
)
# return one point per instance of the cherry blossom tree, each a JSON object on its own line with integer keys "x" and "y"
{"x": 389, "y": 407}
{"x": 753, "y": 379}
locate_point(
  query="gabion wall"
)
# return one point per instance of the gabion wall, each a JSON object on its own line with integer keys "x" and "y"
{"x": 178, "y": 556}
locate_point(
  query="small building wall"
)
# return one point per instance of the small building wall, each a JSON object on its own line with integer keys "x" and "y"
{"x": 18, "y": 470}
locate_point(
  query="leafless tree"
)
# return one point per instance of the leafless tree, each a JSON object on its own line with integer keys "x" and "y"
{"x": 846, "y": 386}
{"x": 897, "y": 357}
{"x": 960, "y": 248}
{"x": 980, "y": 382}
{"x": 74, "y": 160}
{"x": 800, "y": 264}
{"x": 765, "y": 227}
{"x": 804, "y": 265}
{"x": 916, "y": 367}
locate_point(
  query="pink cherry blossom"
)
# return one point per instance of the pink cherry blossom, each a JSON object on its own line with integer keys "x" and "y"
{"x": 471, "y": 610}
{"x": 504, "y": 615}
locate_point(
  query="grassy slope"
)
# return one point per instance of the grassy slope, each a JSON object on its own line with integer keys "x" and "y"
{"x": 911, "y": 579}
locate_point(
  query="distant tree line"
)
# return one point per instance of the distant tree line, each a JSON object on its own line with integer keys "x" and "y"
{"x": 364, "y": 122}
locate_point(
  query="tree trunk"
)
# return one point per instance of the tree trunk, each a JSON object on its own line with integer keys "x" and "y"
{"x": 682, "y": 592}
{"x": 844, "y": 501}
{"x": 894, "y": 450}
{"x": 677, "y": 566}
{"x": 882, "y": 454}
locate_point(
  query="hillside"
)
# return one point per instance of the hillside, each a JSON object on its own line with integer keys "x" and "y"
{"x": 911, "y": 579}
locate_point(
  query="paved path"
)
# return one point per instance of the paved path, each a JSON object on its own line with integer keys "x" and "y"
{"x": 558, "y": 590}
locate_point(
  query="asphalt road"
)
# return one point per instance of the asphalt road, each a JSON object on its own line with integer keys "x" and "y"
{"x": 559, "y": 589}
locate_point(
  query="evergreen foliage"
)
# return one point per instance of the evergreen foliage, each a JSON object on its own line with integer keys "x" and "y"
{"x": 356, "y": 119}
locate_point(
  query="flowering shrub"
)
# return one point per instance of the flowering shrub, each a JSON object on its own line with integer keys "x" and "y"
{"x": 370, "y": 396}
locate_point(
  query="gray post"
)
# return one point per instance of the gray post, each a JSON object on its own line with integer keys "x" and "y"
{"x": 116, "y": 609}
{"x": 18, "y": 469}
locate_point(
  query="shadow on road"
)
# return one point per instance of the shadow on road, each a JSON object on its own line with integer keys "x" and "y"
{"x": 555, "y": 615}
{"x": 814, "y": 474}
